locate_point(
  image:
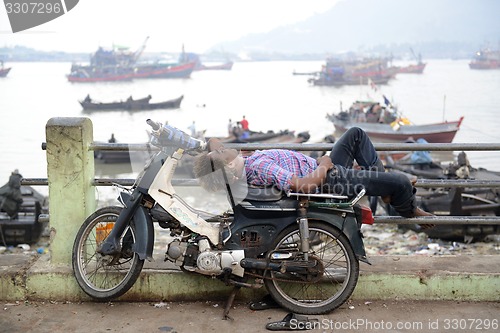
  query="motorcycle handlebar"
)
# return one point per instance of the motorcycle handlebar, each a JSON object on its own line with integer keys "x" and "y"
{"x": 154, "y": 125}
{"x": 167, "y": 135}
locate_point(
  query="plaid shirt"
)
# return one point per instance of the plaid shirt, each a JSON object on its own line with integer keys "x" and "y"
{"x": 276, "y": 167}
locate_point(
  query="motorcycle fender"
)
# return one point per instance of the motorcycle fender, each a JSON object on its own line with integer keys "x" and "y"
{"x": 346, "y": 225}
{"x": 144, "y": 232}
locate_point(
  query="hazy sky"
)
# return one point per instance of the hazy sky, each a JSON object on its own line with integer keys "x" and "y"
{"x": 198, "y": 24}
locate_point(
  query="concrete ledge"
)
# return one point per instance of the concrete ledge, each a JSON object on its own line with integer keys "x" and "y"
{"x": 471, "y": 278}
{"x": 464, "y": 278}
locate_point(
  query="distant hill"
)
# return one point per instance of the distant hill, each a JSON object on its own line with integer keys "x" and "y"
{"x": 439, "y": 27}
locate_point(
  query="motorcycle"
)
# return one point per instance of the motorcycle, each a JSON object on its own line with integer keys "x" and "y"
{"x": 304, "y": 248}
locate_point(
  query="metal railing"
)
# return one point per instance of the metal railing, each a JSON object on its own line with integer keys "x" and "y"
{"x": 424, "y": 183}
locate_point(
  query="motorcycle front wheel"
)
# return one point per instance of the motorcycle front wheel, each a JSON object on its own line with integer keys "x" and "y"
{"x": 336, "y": 271}
{"x": 105, "y": 277}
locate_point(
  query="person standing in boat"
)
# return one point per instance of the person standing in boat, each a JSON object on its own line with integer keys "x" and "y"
{"x": 244, "y": 128}
{"x": 192, "y": 128}
{"x": 244, "y": 124}
{"x": 230, "y": 128}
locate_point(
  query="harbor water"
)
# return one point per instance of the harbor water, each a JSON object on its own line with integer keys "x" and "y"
{"x": 267, "y": 93}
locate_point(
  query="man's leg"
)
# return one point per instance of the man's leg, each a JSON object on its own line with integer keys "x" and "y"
{"x": 355, "y": 145}
{"x": 397, "y": 186}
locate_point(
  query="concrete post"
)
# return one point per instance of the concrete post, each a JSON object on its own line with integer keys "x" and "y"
{"x": 70, "y": 171}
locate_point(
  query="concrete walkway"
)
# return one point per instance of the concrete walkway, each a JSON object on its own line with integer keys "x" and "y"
{"x": 459, "y": 278}
{"x": 182, "y": 317}
{"x": 395, "y": 294}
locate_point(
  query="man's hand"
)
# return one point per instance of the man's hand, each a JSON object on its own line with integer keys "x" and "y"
{"x": 310, "y": 182}
{"x": 325, "y": 161}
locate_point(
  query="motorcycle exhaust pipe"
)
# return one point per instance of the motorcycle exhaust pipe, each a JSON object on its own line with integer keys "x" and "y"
{"x": 329, "y": 275}
{"x": 264, "y": 264}
{"x": 249, "y": 263}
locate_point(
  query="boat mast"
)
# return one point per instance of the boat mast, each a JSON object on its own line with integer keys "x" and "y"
{"x": 139, "y": 51}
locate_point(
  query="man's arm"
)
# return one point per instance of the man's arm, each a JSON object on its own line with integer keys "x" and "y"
{"x": 310, "y": 182}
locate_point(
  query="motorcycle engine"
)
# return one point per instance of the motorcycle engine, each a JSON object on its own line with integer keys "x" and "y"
{"x": 202, "y": 259}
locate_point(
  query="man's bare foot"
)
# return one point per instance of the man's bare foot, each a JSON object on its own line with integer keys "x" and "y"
{"x": 421, "y": 212}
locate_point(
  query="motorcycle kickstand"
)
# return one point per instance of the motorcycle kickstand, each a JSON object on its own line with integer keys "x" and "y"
{"x": 229, "y": 304}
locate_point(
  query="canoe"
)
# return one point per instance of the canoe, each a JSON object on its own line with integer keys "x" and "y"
{"x": 131, "y": 104}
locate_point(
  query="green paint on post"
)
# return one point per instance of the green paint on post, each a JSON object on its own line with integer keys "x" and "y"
{"x": 70, "y": 171}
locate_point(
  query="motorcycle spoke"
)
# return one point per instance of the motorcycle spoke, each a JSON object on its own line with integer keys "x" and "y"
{"x": 329, "y": 279}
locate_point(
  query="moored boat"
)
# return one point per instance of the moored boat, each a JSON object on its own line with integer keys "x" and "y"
{"x": 170, "y": 104}
{"x": 485, "y": 59}
{"x": 381, "y": 123}
{"x": 353, "y": 71}
{"x": 411, "y": 69}
{"x": 164, "y": 71}
{"x": 130, "y": 104}
{"x": 328, "y": 80}
{"x": 119, "y": 64}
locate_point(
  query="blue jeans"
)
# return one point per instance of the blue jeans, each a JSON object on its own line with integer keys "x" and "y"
{"x": 354, "y": 145}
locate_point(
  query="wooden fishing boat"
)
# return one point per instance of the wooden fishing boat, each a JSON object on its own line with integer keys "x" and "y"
{"x": 170, "y": 104}
{"x": 391, "y": 126}
{"x": 411, "y": 69}
{"x": 329, "y": 80}
{"x": 164, "y": 71}
{"x": 485, "y": 59}
{"x": 130, "y": 104}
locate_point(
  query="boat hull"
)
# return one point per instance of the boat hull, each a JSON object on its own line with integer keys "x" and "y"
{"x": 4, "y": 71}
{"x": 485, "y": 65}
{"x": 134, "y": 105}
{"x": 165, "y": 72}
{"x": 86, "y": 75}
{"x": 434, "y": 133}
{"x": 360, "y": 80}
{"x": 412, "y": 69}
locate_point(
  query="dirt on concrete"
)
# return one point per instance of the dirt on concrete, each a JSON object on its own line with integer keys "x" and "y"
{"x": 354, "y": 316}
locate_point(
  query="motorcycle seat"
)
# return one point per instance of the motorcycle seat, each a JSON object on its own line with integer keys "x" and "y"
{"x": 264, "y": 193}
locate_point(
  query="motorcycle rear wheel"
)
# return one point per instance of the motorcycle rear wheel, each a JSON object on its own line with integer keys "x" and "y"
{"x": 324, "y": 293}
{"x": 104, "y": 277}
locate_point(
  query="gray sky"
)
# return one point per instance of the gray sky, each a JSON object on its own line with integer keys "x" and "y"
{"x": 198, "y": 24}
